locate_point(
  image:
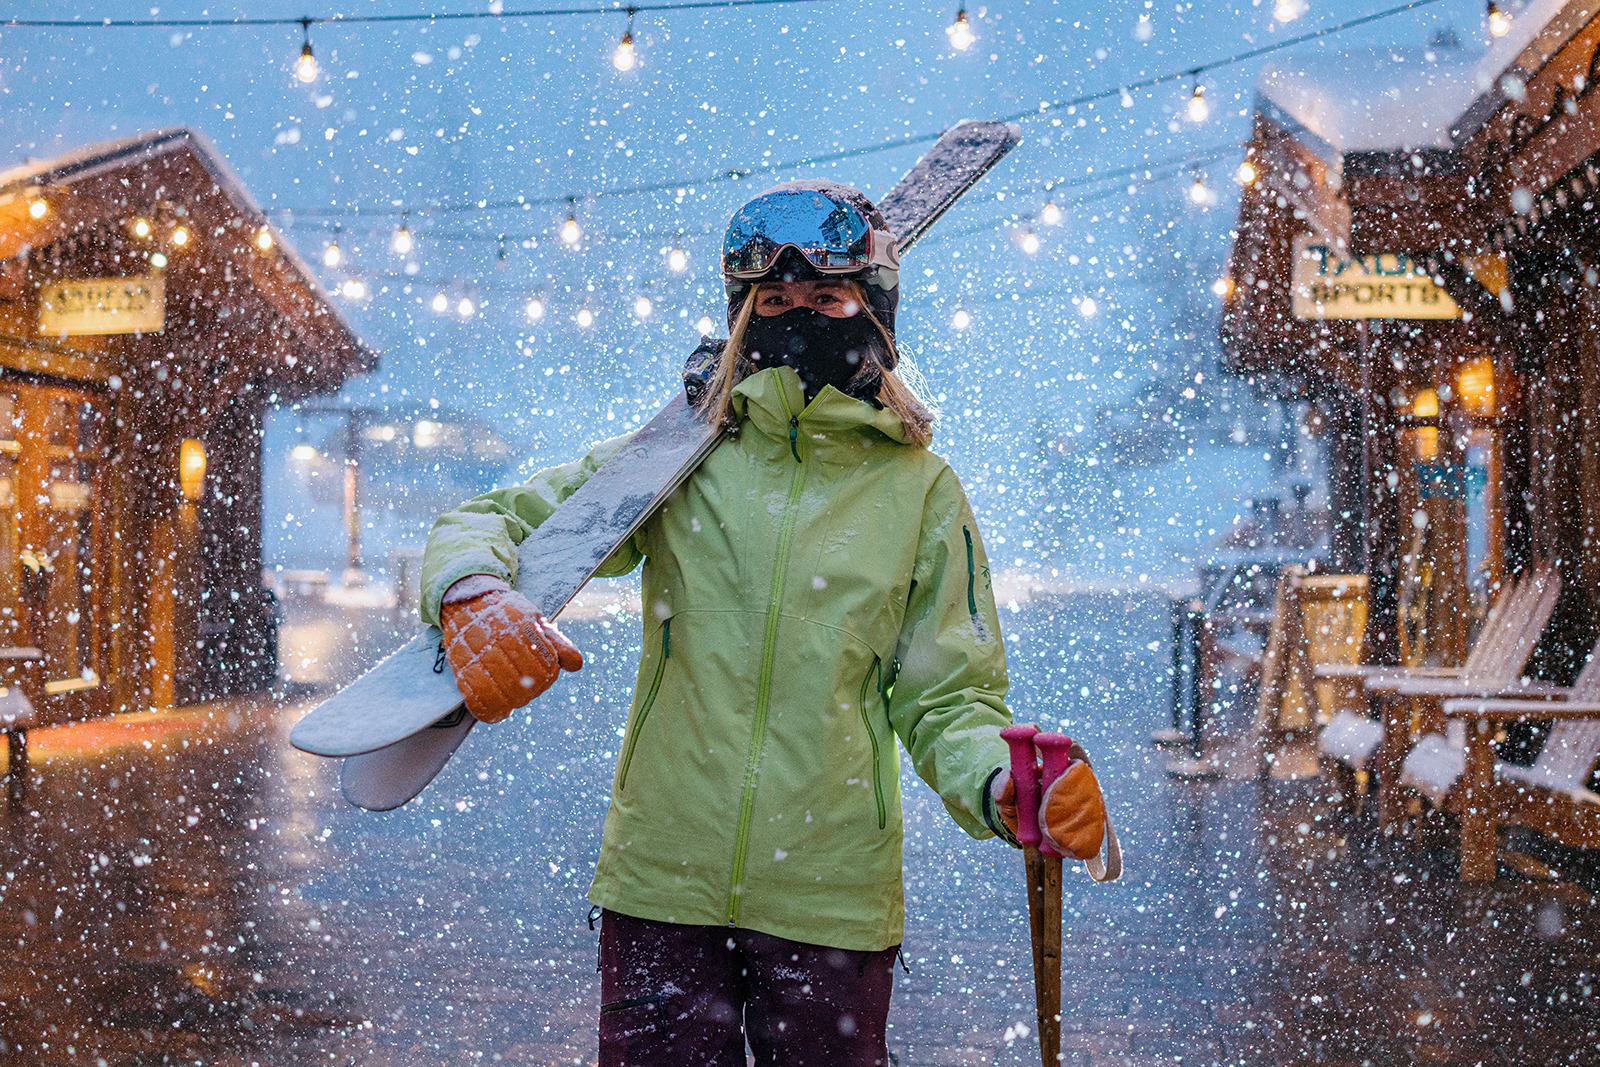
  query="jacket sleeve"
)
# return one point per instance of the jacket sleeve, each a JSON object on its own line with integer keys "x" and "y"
{"x": 947, "y": 694}
{"x": 482, "y": 535}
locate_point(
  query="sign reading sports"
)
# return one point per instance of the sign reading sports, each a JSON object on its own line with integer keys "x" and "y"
{"x": 1390, "y": 285}
{"x": 88, "y": 306}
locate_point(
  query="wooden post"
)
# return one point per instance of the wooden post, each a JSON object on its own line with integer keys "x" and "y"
{"x": 1379, "y": 434}
{"x": 1477, "y": 800}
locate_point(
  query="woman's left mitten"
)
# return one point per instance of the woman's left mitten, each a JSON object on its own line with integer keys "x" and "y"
{"x": 1072, "y": 813}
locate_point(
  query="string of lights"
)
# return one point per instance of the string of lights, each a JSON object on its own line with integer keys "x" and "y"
{"x": 1197, "y": 110}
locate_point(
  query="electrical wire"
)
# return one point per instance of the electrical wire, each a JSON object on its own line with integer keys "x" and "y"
{"x": 352, "y": 20}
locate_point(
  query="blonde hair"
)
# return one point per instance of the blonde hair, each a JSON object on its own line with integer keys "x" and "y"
{"x": 894, "y": 393}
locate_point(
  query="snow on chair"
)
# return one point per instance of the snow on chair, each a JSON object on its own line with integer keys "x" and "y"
{"x": 1457, "y": 770}
{"x": 1398, "y": 697}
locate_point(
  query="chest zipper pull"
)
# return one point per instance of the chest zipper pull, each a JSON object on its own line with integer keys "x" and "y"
{"x": 794, "y": 436}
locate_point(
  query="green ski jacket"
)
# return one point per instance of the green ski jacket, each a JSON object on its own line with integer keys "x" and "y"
{"x": 814, "y": 591}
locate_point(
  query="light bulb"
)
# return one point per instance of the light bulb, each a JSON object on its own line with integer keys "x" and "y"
{"x": 960, "y": 32}
{"x": 354, "y": 289}
{"x": 158, "y": 260}
{"x": 38, "y": 208}
{"x": 678, "y": 261}
{"x": 571, "y": 232}
{"x": 623, "y": 58}
{"x": 1288, "y": 10}
{"x": 306, "y": 67}
{"x": 333, "y": 255}
{"x": 1088, "y": 308}
{"x": 180, "y": 236}
{"x": 264, "y": 239}
{"x": 1030, "y": 242}
{"x": 1051, "y": 215}
{"x": 141, "y": 227}
{"x": 585, "y": 318}
{"x": 642, "y": 307}
{"x": 441, "y": 303}
{"x": 465, "y": 307}
{"x": 1199, "y": 110}
{"x": 705, "y": 326}
{"x": 534, "y": 309}
{"x": 1223, "y": 287}
{"x": 961, "y": 320}
{"x": 1246, "y": 174}
{"x": 1499, "y": 21}
{"x": 1198, "y": 193}
{"x": 401, "y": 243}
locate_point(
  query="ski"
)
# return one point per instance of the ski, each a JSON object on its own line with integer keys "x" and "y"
{"x": 398, "y": 724}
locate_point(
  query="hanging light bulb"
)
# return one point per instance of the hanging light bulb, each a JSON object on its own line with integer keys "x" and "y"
{"x": 1499, "y": 21}
{"x": 141, "y": 228}
{"x": 38, "y": 208}
{"x": 1088, "y": 308}
{"x": 642, "y": 308}
{"x": 1051, "y": 215}
{"x": 705, "y": 326}
{"x": 401, "y": 243}
{"x": 465, "y": 307}
{"x": 534, "y": 309}
{"x": 961, "y": 320}
{"x": 1030, "y": 242}
{"x": 677, "y": 261}
{"x": 624, "y": 58}
{"x": 1198, "y": 109}
{"x": 306, "y": 68}
{"x": 1246, "y": 174}
{"x": 1198, "y": 193}
{"x": 158, "y": 260}
{"x": 354, "y": 289}
{"x": 333, "y": 255}
{"x": 180, "y": 236}
{"x": 1223, "y": 287}
{"x": 585, "y": 318}
{"x": 441, "y": 303}
{"x": 960, "y": 31}
{"x": 1288, "y": 10}
{"x": 571, "y": 232}
{"x": 264, "y": 239}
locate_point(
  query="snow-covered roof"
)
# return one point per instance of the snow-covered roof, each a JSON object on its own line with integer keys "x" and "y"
{"x": 1410, "y": 95}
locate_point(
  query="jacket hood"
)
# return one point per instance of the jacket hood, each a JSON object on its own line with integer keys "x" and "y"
{"x": 770, "y": 398}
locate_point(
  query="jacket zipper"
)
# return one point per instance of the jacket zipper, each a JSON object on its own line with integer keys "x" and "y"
{"x": 758, "y": 729}
{"x": 649, "y": 702}
{"x": 877, "y": 781}
{"x": 972, "y": 600}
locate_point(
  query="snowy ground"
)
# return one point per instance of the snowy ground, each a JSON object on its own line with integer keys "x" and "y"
{"x": 187, "y": 889}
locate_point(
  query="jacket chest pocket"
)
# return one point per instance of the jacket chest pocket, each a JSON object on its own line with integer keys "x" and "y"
{"x": 663, "y": 653}
{"x": 870, "y": 700}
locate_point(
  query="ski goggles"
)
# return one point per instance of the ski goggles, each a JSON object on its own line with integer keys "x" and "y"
{"x": 833, "y": 236}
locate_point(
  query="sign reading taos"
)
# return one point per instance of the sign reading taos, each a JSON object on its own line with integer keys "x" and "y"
{"x": 82, "y": 306}
{"x": 1383, "y": 286}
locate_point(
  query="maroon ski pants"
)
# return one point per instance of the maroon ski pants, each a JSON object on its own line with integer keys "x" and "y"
{"x": 689, "y": 996}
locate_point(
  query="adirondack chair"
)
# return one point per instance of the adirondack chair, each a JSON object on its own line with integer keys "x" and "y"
{"x": 1404, "y": 701}
{"x": 1457, "y": 770}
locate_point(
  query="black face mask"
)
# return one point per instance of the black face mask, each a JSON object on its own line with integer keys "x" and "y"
{"x": 822, "y": 350}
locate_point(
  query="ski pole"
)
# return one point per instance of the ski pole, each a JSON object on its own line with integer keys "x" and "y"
{"x": 1056, "y": 752}
{"x": 1046, "y": 967}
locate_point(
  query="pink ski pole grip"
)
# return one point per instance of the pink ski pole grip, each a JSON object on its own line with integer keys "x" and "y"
{"x": 1025, "y": 776}
{"x": 1056, "y": 750}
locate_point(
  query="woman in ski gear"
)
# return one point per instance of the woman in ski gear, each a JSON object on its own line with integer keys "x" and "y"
{"x": 815, "y": 591}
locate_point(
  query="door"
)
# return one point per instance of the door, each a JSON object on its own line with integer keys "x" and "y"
{"x": 50, "y": 443}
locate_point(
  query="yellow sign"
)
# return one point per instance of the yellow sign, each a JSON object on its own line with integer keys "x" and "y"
{"x": 84, "y": 306}
{"x": 1390, "y": 285}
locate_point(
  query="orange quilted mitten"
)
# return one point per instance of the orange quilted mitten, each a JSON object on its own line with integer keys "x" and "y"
{"x": 503, "y": 652}
{"x": 1072, "y": 816}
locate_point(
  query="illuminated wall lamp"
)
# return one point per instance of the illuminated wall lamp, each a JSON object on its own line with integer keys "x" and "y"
{"x": 191, "y": 468}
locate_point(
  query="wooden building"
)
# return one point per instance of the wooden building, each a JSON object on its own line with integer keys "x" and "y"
{"x": 149, "y": 315}
{"x": 1414, "y": 256}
